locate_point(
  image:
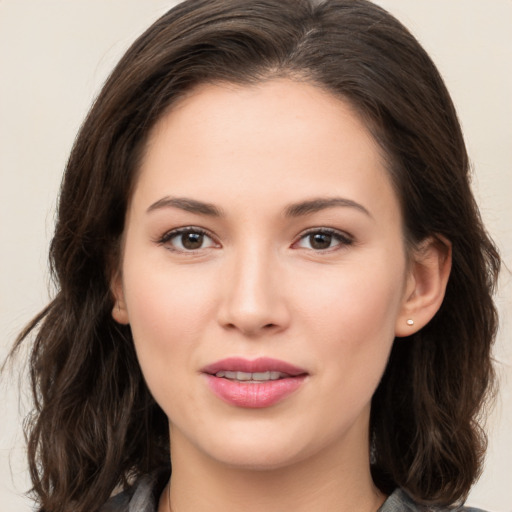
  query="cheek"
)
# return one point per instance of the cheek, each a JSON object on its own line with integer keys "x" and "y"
{"x": 365, "y": 301}
{"x": 167, "y": 314}
{"x": 354, "y": 313}
{"x": 167, "y": 311}
{"x": 160, "y": 295}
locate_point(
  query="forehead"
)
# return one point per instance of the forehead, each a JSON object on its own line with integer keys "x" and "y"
{"x": 256, "y": 108}
{"x": 278, "y": 137}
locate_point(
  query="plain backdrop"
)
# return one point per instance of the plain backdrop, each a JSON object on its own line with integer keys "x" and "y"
{"x": 54, "y": 56}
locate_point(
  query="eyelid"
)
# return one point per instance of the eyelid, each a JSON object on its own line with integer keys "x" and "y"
{"x": 172, "y": 233}
{"x": 344, "y": 238}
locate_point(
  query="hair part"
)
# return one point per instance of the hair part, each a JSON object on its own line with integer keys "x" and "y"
{"x": 95, "y": 424}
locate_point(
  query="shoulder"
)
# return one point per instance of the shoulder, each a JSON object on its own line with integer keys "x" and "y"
{"x": 400, "y": 501}
{"x": 142, "y": 496}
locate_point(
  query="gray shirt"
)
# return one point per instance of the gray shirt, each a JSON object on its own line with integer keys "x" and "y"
{"x": 143, "y": 497}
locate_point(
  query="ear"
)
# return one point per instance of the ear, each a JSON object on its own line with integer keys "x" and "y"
{"x": 429, "y": 270}
{"x": 119, "y": 311}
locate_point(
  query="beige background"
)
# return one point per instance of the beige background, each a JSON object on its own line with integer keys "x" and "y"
{"x": 54, "y": 55}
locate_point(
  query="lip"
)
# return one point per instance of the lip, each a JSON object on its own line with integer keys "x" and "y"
{"x": 262, "y": 364}
{"x": 253, "y": 394}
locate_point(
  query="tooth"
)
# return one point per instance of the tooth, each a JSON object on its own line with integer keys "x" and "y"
{"x": 261, "y": 376}
{"x": 246, "y": 376}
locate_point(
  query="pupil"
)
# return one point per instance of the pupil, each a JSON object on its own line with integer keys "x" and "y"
{"x": 192, "y": 240}
{"x": 320, "y": 240}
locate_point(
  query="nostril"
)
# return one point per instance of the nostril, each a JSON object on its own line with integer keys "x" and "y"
{"x": 251, "y": 330}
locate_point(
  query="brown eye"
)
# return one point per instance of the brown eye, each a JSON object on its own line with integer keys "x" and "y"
{"x": 320, "y": 241}
{"x": 187, "y": 240}
{"x": 192, "y": 241}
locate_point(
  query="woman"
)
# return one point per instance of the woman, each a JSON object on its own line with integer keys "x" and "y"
{"x": 269, "y": 257}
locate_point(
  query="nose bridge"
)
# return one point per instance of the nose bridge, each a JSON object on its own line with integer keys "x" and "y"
{"x": 253, "y": 300}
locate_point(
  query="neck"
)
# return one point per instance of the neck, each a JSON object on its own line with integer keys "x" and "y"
{"x": 330, "y": 481}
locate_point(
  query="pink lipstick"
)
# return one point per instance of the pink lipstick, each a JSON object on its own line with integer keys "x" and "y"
{"x": 254, "y": 383}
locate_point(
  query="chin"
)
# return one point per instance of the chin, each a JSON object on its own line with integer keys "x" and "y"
{"x": 264, "y": 449}
{"x": 256, "y": 458}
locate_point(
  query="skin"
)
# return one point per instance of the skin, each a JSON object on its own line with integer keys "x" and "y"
{"x": 258, "y": 286}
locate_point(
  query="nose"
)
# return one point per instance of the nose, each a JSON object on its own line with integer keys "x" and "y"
{"x": 254, "y": 296}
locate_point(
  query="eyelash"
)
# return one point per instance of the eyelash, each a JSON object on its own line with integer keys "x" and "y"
{"x": 343, "y": 239}
{"x": 175, "y": 233}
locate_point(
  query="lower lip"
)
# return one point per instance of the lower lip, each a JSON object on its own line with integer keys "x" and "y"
{"x": 254, "y": 395}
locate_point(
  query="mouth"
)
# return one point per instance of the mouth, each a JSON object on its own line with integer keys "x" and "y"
{"x": 252, "y": 378}
{"x": 255, "y": 383}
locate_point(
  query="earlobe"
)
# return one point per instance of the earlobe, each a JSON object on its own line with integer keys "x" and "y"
{"x": 426, "y": 285}
{"x": 119, "y": 311}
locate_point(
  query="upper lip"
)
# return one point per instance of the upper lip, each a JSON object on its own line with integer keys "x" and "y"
{"x": 262, "y": 364}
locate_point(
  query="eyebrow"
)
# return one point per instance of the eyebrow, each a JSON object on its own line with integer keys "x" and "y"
{"x": 294, "y": 210}
{"x": 186, "y": 204}
{"x": 321, "y": 203}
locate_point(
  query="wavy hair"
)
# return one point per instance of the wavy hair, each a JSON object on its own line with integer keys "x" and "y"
{"x": 95, "y": 425}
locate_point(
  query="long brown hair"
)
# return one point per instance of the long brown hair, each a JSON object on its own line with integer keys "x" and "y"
{"x": 95, "y": 426}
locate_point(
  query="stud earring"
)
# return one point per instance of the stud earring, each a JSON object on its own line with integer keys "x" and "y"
{"x": 410, "y": 321}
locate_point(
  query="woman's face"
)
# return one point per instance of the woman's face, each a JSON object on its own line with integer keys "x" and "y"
{"x": 263, "y": 273}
